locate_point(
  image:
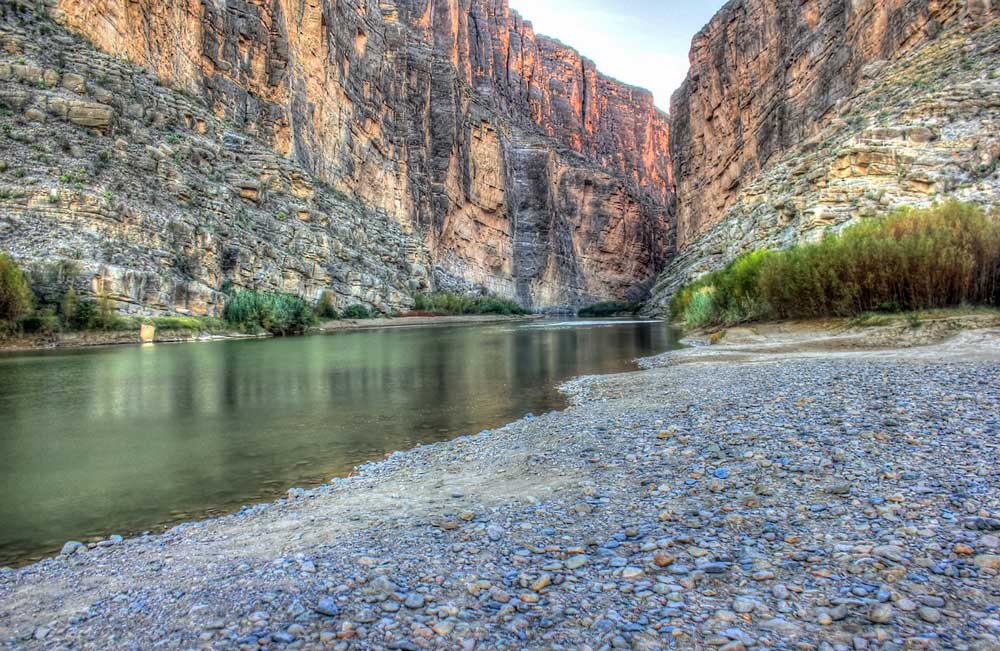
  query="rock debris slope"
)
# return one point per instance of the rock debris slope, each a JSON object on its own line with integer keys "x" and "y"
{"x": 443, "y": 142}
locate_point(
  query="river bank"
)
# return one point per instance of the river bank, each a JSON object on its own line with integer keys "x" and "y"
{"x": 91, "y": 338}
{"x": 781, "y": 492}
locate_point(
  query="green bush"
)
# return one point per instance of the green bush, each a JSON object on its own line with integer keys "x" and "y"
{"x": 325, "y": 309}
{"x": 85, "y": 316}
{"x": 16, "y": 299}
{"x": 68, "y": 307}
{"x": 357, "y": 311}
{"x": 942, "y": 256}
{"x": 43, "y": 322}
{"x": 451, "y": 303}
{"x": 107, "y": 314}
{"x": 278, "y": 313}
{"x": 611, "y": 308}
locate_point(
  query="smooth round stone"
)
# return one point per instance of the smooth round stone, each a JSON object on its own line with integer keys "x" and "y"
{"x": 930, "y": 615}
{"x": 880, "y": 613}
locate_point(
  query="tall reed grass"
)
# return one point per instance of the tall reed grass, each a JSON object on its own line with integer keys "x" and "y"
{"x": 274, "y": 312}
{"x": 451, "y": 303}
{"x": 914, "y": 259}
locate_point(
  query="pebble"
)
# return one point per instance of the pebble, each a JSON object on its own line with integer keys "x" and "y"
{"x": 826, "y": 531}
{"x": 880, "y": 614}
{"x": 327, "y": 606}
{"x": 928, "y": 614}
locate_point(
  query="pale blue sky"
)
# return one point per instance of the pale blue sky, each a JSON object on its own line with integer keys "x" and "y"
{"x": 641, "y": 42}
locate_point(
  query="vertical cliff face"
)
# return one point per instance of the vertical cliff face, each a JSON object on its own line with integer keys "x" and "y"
{"x": 798, "y": 117}
{"x": 767, "y": 75}
{"x": 519, "y": 166}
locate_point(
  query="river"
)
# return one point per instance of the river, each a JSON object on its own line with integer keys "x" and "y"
{"x": 132, "y": 438}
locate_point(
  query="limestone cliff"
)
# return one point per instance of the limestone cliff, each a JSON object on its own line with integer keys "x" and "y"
{"x": 798, "y": 117}
{"x": 496, "y": 158}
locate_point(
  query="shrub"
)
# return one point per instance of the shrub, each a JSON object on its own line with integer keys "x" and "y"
{"x": 68, "y": 307}
{"x": 357, "y": 311}
{"x": 611, "y": 308}
{"x": 16, "y": 298}
{"x": 43, "y": 322}
{"x": 452, "y": 303}
{"x": 107, "y": 314}
{"x": 325, "y": 309}
{"x": 85, "y": 316}
{"x": 942, "y": 256}
{"x": 278, "y": 313}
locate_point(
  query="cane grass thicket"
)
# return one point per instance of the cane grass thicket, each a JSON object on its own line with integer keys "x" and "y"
{"x": 913, "y": 259}
{"x": 274, "y": 312}
{"x": 457, "y": 304}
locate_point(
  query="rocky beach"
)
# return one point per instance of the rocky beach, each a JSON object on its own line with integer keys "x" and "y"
{"x": 785, "y": 488}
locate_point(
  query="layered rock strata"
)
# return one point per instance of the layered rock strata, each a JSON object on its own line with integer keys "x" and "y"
{"x": 505, "y": 161}
{"x": 800, "y": 118}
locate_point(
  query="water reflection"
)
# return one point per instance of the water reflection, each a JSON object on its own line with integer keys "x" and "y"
{"x": 123, "y": 439}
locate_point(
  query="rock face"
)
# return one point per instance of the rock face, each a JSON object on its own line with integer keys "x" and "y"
{"x": 798, "y": 117}
{"x": 119, "y": 186}
{"x": 768, "y": 74}
{"x": 503, "y": 160}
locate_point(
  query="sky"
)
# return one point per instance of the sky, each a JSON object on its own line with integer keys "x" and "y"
{"x": 640, "y": 42}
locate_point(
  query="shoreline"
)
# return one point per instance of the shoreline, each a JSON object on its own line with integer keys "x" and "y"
{"x": 489, "y": 495}
{"x": 94, "y": 339}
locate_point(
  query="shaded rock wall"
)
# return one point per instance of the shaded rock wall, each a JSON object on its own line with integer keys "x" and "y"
{"x": 421, "y": 109}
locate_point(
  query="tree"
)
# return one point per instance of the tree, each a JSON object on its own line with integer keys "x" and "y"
{"x": 69, "y": 306}
{"x": 15, "y": 295}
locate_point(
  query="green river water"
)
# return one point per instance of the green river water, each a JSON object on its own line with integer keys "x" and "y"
{"x": 132, "y": 438}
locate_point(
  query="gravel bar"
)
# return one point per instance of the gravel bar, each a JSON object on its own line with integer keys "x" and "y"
{"x": 751, "y": 501}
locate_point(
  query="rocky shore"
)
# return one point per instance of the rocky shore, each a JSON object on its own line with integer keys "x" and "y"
{"x": 777, "y": 491}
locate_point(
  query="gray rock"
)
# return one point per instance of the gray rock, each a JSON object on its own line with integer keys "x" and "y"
{"x": 327, "y": 606}
{"x": 880, "y": 613}
{"x": 72, "y": 547}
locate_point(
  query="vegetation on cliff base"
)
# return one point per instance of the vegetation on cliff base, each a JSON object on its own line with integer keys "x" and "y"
{"x": 451, "y": 303}
{"x": 357, "y": 312}
{"x": 609, "y": 309}
{"x": 913, "y": 259}
{"x": 325, "y": 309}
{"x": 274, "y": 312}
{"x": 15, "y": 294}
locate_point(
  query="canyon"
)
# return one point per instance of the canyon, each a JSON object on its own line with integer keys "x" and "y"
{"x": 370, "y": 149}
{"x": 164, "y": 153}
{"x": 798, "y": 118}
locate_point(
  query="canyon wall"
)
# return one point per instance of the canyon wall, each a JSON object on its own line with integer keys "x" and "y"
{"x": 799, "y": 117}
{"x": 510, "y": 161}
{"x": 767, "y": 74}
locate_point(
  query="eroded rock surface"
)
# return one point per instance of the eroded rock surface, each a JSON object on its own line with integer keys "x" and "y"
{"x": 798, "y": 118}
{"x": 505, "y": 157}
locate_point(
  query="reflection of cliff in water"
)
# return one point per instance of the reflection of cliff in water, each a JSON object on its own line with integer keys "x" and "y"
{"x": 120, "y": 439}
